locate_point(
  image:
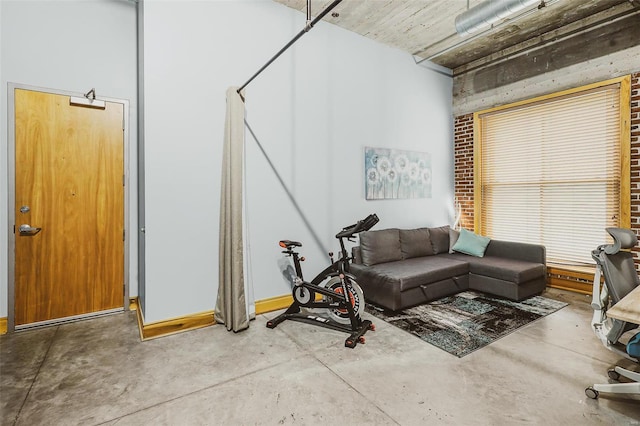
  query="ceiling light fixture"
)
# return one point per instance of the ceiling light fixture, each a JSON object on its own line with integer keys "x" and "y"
{"x": 488, "y": 12}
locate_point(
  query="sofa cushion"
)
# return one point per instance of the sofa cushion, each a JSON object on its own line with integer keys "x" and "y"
{"x": 516, "y": 271}
{"x": 410, "y": 273}
{"x": 471, "y": 244}
{"x": 453, "y": 239}
{"x": 439, "y": 239}
{"x": 415, "y": 243}
{"x": 380, "y": 246}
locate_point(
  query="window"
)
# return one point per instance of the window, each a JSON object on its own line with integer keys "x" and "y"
{"x": 555, "y": 170}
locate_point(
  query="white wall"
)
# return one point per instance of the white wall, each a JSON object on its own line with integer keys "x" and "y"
{"x": 70, "y": 46}
{"x": 314, "y": 111}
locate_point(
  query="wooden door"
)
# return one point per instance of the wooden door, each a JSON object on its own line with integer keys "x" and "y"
{"x": 69, "y": 168}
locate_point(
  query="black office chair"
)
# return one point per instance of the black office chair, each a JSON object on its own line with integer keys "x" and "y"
{"x": 620, "y": 277}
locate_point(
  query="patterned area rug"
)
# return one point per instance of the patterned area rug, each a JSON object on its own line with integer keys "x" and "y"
{"x": 467, "y": 321}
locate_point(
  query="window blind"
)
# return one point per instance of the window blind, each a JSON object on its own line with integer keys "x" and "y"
{"x": 550, "y": 173}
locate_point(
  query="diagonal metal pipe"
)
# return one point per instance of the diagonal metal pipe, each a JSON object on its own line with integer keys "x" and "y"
{"x": 302, "y": 32}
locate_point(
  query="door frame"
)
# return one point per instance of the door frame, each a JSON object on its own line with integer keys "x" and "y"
{"x": 11, "y": 183}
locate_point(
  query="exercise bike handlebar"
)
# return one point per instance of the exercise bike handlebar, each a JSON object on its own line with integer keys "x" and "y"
{"x": 361, "y": 226}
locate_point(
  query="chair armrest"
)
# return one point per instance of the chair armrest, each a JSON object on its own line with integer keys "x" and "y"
{"x": 518, "y": 251}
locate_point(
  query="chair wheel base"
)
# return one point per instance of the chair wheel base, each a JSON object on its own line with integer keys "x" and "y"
{"x": 613, "y": 374}
{"x": 591, "y": 393}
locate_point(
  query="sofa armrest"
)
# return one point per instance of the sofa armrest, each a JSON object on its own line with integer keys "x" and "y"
{"x": 517, "y": 251}
{"x": 357, "y": 255}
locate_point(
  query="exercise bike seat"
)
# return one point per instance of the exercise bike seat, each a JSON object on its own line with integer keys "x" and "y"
{"x": 288, "y": 244}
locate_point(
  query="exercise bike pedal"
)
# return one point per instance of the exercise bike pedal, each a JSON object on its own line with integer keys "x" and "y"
{"x": 372, "y": 327}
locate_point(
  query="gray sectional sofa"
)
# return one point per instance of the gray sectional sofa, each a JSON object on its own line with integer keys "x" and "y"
{"x": 399, "y": 268}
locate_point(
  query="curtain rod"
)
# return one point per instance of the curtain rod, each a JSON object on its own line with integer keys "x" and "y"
{"x": 306, "y": 28}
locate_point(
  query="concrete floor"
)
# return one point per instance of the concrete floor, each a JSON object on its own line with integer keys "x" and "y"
{"x": 98, "y": 372}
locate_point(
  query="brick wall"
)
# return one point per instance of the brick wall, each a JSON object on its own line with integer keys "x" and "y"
{"x": 463, "y": 167}
{"x": 463, "y": 163}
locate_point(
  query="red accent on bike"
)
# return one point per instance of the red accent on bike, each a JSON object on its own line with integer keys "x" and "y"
{"x": 351, "y": 298}
{"x": 282, "y": 244}
{"x": 302, "y": 259}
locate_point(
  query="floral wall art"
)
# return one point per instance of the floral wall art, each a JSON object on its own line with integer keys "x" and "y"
{"x": 392, "y": 173}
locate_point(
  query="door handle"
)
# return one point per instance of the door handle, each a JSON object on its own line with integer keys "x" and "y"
{"x": 28, "y": 231}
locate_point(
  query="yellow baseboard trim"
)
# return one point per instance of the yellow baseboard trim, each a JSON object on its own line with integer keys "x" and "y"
{"x": 3, "y": 325}
{"x": 177, "y": 325}
{"x": 171, "y": 326}
{"x": 204, "y": 319}
{"x": 140, "y": 321}
{"x": 273, "y": 304}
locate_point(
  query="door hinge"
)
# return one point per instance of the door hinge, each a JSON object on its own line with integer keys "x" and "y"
{"x": 124, "y": 234}
{"x": 123, "y": 180}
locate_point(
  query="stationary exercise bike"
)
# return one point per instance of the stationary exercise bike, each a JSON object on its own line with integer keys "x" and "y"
{"x": 334, "y": 289}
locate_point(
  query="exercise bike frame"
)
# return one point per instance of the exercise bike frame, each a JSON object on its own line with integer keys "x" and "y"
{"x": 304, "y": 292}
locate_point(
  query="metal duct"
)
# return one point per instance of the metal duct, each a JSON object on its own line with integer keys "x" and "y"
{"x": 488, "y": 12}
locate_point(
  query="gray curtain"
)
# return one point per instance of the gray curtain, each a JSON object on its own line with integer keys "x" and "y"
{"x": 231, "y": 307}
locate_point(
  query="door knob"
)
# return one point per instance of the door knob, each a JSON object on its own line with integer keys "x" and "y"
{"x": 28, "y": 231}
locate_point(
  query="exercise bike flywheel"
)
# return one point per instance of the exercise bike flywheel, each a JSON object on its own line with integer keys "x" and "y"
{"x": 356, "y": 297}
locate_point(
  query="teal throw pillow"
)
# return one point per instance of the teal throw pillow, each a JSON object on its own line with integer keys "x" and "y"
{"x": 471, "y": 244}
